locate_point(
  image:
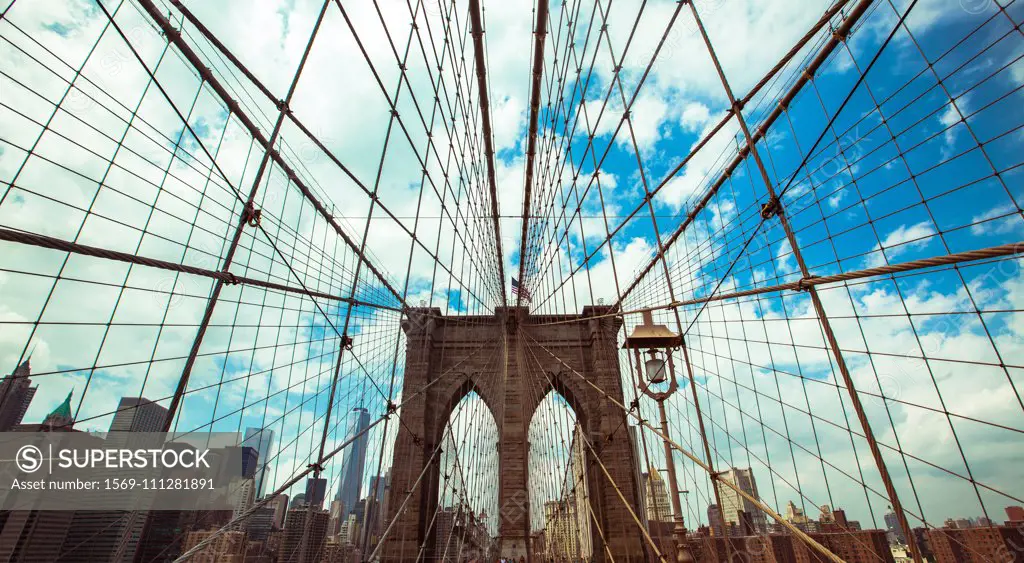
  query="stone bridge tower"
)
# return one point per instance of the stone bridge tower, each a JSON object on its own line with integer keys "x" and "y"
{"x": 499, "y": 358}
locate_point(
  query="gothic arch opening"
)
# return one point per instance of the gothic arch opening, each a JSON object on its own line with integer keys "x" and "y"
{"x": 466, "y": 519}
{"x": 558, "y": 487}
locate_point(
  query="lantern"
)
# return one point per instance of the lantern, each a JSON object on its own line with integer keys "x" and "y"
{"x": 655, "y": 367}
{"x": 657, "y": 342}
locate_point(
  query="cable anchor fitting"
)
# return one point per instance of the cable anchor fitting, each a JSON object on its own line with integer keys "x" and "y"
{"x": 252, "y": 216}
{"x": 772, "y": 208}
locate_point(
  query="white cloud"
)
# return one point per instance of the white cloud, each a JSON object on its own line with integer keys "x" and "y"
{"x": 999, "y": 220}
{"x": 900, "y": 240}
{"x": 702, "y": 168}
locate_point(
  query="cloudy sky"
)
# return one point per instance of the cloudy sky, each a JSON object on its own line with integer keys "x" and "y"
{"x": 917, "y": 157}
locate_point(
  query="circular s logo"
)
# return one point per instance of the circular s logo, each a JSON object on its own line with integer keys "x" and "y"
{"x": 29, "y": 459}
{"x": 975, "y": 6}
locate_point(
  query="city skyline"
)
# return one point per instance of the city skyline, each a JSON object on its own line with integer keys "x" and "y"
{"x": 137, "y": 414}
{"x": 582, "y": 280}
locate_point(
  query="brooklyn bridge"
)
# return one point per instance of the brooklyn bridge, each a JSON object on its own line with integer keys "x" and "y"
{"x": 510, "y": 280}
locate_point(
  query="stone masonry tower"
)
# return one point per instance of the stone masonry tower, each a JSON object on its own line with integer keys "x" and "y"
{"x": 501, "y": 358}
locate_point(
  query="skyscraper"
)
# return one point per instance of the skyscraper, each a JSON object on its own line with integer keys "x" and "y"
{"x": 138, "y": 414}
{"x": 33, "y": 535}
{"x": 97, "y": 535}
{"x": 379, "y": 485}
{"x": 355, "y": 459}
{"x": 714, "y": 520}
{"x": 295, "y": 529}
{"x": 658, "y": 507}
{"x": 242, "y": 495}
{"x": 892, "y": 526}
{"x": 316, "y": 490}
{"x": 733, "y": 503}
{"x": 16, "y": 392}
{"x": 261, "y": 440}
{"x": 580, "y": 493}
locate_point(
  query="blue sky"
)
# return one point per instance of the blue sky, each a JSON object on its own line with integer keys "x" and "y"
{"x": 857, "y": 203}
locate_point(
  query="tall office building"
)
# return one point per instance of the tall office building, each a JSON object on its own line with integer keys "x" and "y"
{"x": 295, "y": 528}
{"x": 261, "y": 440}
{"x": 380, "y": 485}
{"x": 336, "y": 519}
{"x": 97, "y": 535}
{"x": 657, "y": 501}
{"x": 355, "y": 459}
{"x": 280, "y": 504}
{"x": 733, "y": 503}
{"x": 714, "y": 520}
{"x": 579, "y": 493}
{"x": 16, "y": 392}
{"x": 316, "y": 490}
{"x": 260, "y": 524}
{"x": 241, "y": 491}
{"x": 561, "y": 530}
{"x": 892, "y": 526}
{"x": 138, "y": 414}
{"x": 228, "y": 546}
{"x": 33, "y": 535}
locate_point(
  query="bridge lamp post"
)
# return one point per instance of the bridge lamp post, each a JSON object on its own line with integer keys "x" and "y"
{"x": 655, "y": 343}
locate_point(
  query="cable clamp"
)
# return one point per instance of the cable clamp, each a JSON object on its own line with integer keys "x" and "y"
{"x": 346, "y": 341}
{"x": 635, "y": 405}
{"x": 231, "y": 278}
{"x": 804, "y": 284}
{"x": 737, "y": 106}
{"x": 316, "y": 467}
{"x": 251, "y": 215}
{"x": 392, "y": 408}
{"x": 771, "y": 209}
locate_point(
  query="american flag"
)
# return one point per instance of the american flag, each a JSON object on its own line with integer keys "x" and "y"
{"x": 522, "y": 291}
